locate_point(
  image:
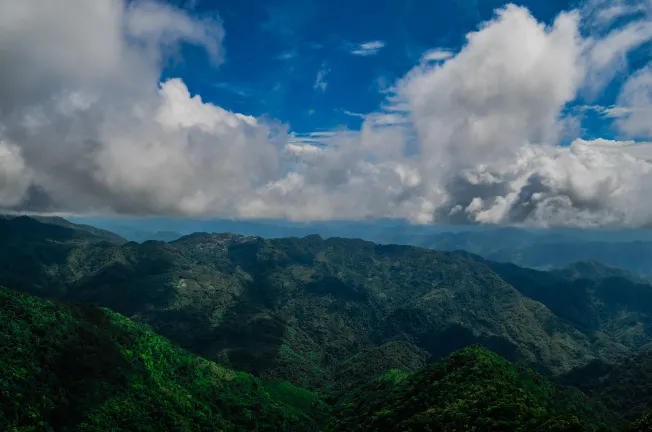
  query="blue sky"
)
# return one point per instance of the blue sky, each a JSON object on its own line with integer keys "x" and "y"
{"x": 276, "y": 49}
{"x": 468, "y": 111}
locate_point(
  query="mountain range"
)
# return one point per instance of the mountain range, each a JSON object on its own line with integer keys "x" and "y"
{"x": 332, "y": 315}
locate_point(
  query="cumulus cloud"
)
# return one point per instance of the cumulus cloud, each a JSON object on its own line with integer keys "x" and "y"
{"x": 487, "y": 123}
{"x": 471, "y": 136}
{"x": 86, "y": 126}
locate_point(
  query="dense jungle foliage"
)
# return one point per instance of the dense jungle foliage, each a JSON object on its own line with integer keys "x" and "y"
{"x": 75, "y": 368}
{"x": 471, "y": 390}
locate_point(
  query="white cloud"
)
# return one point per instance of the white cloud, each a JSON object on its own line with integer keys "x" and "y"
{"x": 367, "y": 48}
{"x": 85, "y": 126}
{"x": 498, "y": 93}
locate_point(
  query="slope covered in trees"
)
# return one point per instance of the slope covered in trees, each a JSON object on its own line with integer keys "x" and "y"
{"x": 600, "y": 301}
{"x": 546, "y": 249}
{"x": 471, "y": 390}
{"x": 74, "y": 368}
{"x": 625, "y": 387}
{"x": 298, "y": 309}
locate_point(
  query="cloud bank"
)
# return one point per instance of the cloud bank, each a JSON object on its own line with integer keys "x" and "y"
{"x": 466, "y": 137}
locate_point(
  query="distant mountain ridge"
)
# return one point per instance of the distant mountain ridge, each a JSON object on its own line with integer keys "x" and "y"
{"x": 542, "y": 249}
{"x": 598, "y": 300}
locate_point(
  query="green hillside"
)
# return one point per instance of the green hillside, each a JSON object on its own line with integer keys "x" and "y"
{"x": 471, "y": 390}
{"x": 600, "y": 301}
{"x": 73, "y": 368}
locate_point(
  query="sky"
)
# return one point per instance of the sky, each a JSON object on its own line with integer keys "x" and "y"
{"x": 535, "y": 113}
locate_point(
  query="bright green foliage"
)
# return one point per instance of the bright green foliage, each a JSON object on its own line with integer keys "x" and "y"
{"x": 471, "y": 390}
{"x": 69, "y": 368}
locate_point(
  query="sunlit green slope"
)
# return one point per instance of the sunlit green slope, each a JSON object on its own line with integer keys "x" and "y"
{"x": 69, "y": 368}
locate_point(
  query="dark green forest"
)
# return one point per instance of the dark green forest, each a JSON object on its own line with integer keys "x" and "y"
{"x": 227, "y": 332}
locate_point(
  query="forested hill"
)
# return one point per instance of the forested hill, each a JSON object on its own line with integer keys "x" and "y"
{"x": 300, "y": 309}
{"x": 25, "y": 229}
{"x": 74, "y": 368}
{"x": 304, "y": 309}
{"x": 471, "y": 390}
{"x": 596, "y": 299}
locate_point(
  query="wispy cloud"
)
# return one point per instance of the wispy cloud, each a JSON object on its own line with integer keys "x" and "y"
{"x": 613, "y": 111}
{"x": 318, "y": 138}
{"x": 238, "y": 89}
{"x": 390, "y": 115}
{"x": 287, "y": 55}
{"x": 437, "y": 54}
{"x": 604, "y": 12}
{"x": 353, "y": 114}
{"x": 320, "y": 81}
{"x": 366, "y": 49}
